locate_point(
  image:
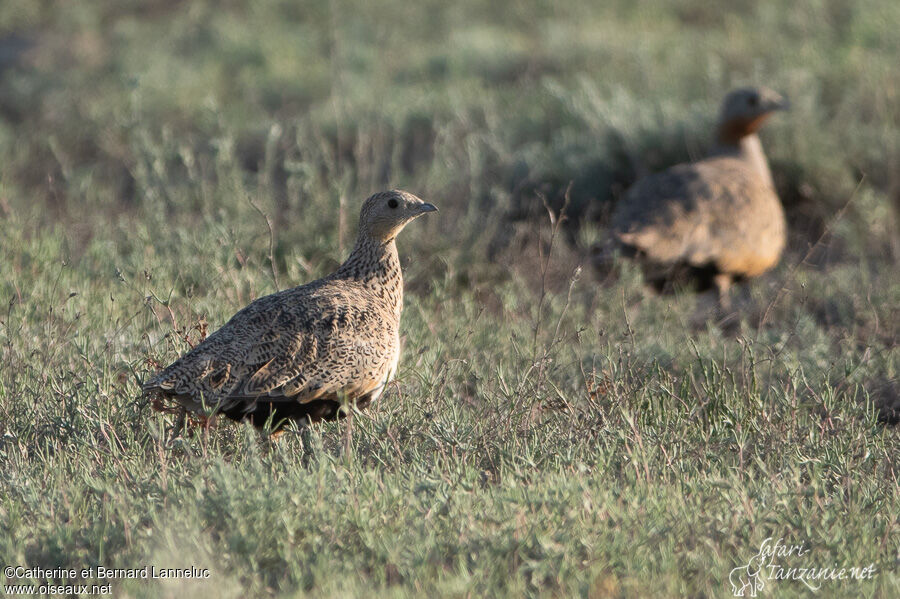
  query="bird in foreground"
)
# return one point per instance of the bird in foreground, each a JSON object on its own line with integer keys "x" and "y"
{"x": 302, "y": 354}
{"x": 718, "y": 219}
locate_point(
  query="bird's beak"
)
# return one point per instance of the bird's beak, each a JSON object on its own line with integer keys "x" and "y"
{"x": 777, "y": 102}
{"x": 426, "y": 207}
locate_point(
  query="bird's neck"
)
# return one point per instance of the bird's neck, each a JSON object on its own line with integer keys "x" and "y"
{"x": 747, "y": 148}
{"x": 377, "y": 265}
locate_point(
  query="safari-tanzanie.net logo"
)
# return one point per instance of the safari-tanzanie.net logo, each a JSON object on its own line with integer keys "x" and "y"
{"x": 778, "y": 562}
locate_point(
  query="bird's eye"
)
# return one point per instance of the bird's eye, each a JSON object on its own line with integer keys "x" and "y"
{"x": 392, "y": 203}
{"x": 753, "y": 100}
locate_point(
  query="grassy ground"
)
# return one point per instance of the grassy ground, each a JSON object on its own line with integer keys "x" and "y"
{"x": 547, "y": 434}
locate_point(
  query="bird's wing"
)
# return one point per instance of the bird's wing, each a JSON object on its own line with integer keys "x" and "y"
{"x": 697, "y": 213}
{"x": 288, "y": 346}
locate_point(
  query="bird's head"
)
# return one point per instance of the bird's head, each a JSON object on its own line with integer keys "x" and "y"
{"x": 385, "y": 214}
{"x": 744, "y": 111}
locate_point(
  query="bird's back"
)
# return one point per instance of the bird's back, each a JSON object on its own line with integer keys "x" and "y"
{"x": 717, "y": 212}
{"x": 330, "y": 339}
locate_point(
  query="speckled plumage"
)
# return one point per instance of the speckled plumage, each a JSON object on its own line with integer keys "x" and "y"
{"x": 721, "y": 215}
{"x": 300, "y": 353}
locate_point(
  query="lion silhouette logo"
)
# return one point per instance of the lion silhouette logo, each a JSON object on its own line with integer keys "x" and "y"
{"x": 747, "y": 577}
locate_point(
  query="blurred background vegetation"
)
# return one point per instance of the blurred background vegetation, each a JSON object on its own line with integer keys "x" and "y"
{"x": 163, "y": 105}
{"x": 614, "y": 443}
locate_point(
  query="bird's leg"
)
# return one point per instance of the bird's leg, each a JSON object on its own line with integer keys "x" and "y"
{"x": 178, "y": 427}
{"x": 306, "y": 440}
{"x": 723, "y": 286}
{"x": 728, "y": 320}
{"x": 348, "y": 434}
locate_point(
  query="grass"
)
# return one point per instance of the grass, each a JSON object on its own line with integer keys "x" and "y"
{"x": 548, "y": 434}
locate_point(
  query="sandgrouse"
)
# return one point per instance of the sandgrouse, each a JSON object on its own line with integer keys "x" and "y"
{"x": 300, "y": 354}
{"x": 719, "y": 218}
